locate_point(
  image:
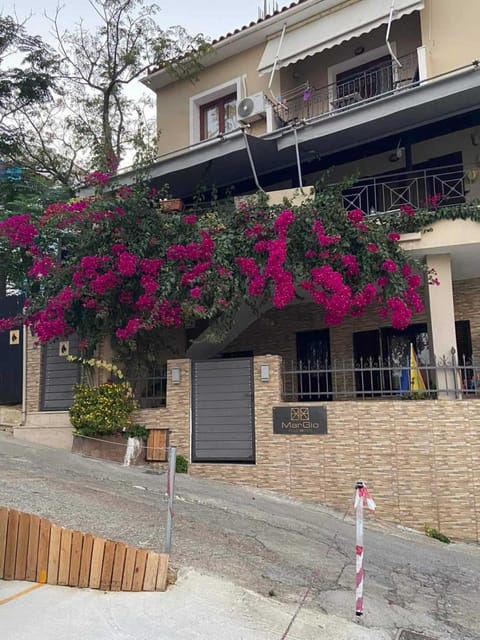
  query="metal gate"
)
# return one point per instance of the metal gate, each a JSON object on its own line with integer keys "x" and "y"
{"x": 11, "y": 353}
{"x": 222, "y": 410}
{"x": 59, "y": 375}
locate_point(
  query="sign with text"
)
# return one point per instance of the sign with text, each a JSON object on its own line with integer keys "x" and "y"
{"x": 300, "y": 420}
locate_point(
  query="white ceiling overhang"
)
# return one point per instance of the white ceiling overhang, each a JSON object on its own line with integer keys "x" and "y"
{"x": 332, "y": 28}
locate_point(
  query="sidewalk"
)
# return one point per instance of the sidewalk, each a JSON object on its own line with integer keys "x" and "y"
{"x": 198, "y": 607}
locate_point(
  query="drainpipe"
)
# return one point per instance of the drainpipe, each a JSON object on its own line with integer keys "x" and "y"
{"x": 24, "y": 375}
{"x": 387, "y": 37}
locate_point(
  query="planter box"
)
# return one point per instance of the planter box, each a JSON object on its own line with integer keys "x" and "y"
{"x": 174, "y": 204}
{"x": 107, "y": 447}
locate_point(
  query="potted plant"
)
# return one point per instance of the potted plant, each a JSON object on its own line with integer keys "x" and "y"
{"x": 101, "y": 417}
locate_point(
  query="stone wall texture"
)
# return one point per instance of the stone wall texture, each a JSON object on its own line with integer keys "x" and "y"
{"x": 420, "y": 459}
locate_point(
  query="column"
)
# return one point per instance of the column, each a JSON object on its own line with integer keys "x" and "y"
{"x": 441, "y": 325}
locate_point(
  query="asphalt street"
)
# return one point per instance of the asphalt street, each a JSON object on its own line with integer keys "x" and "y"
{"x": 284, "y": 551}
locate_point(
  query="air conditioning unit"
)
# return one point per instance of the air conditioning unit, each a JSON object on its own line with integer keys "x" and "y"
{"x": 251, "y": 108}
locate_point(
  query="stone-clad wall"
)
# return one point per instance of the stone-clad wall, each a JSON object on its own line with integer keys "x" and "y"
{"x": 34, "y": 373}
{"x": 421, "y": 459}
{"x": 176, "y": 415}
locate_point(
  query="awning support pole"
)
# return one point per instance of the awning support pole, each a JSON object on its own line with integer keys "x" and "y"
{"x": 252, "y": 164}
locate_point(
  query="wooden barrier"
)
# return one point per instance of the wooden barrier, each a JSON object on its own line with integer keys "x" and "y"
{"x": 35, "y": 549}
{"x": 157, "y": 445}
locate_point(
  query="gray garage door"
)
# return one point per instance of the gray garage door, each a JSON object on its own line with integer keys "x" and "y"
{"x": 222, "y": 397}
{"x": 58, "y": 376}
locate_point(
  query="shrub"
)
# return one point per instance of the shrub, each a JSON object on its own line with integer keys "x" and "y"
{"x": 137, "y": 431}
{"x": 101, "y": 410}
{"x": 181, "y": 464}
{"x": 435, "y": 533}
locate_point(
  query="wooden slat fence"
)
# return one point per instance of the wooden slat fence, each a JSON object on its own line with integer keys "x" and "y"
{"x": 157, "y": 445}
{"x": 35, "y": 549}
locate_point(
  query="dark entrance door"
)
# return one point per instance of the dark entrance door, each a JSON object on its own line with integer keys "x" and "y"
{"x": 58, "y": 376}
{"x": 313, "y": 363}
{"x": 222, "y": 411}
{"x": 11, "y": 353}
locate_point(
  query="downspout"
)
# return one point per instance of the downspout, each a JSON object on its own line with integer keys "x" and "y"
{"x": 24, "y": 375}
{"x": 387, "y": 37}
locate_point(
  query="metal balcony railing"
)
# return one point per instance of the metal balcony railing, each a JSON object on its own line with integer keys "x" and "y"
{"x": 151, "y": 392}
{"x": 369, "y": 379}
{"x": 308, "y": 102}
{"x": 421, "y": 188}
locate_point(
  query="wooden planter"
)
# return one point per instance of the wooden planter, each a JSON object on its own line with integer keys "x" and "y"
{"x": 173, "y": 204}
{"x": 107, "y": 447}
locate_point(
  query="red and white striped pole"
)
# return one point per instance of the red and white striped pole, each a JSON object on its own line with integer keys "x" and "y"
{"x": 362, "y": 499}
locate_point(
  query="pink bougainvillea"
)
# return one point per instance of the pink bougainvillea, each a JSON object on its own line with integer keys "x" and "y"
{"x": 126, "y": 269}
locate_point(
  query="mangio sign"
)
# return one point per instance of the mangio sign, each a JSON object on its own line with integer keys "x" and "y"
{"x": 299, "y": 420}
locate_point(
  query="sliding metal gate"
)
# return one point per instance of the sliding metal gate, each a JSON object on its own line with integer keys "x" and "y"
{"x": 222, "y": 410}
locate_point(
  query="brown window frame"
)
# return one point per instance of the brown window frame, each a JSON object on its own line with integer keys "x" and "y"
{"x": 220, "y": 103}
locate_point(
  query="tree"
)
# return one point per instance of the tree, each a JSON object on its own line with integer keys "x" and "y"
{"x": 22, "y": 192}
{"x": 28, "y": 84}
{"x": 126, "y": 269}
{"x": 98, "y": 119}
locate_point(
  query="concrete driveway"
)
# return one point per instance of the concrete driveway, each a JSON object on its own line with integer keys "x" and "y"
{"x": 238, "y": 545}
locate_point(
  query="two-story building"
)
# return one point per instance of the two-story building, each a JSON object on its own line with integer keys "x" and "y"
{"x": 388, "y": 91}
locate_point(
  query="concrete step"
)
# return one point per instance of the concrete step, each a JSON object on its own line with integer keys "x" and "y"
{"x": 10, "y": 416}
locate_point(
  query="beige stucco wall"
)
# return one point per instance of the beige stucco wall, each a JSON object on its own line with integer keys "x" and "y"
{"x": 450, "y": 34}
{"x": 173, "y": 101}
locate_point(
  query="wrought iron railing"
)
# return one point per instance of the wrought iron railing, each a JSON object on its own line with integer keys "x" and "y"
{"x": 421, "y": 188}
{"x": 360, "y": 88}
{"x": 151, "y": 392}
{"x": 373, "y": 379}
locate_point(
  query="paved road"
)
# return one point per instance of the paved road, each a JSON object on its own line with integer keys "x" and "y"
{"x": 276, "y": 547}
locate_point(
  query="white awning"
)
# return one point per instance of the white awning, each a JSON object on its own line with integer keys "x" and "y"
{"x": 331, "y": 29}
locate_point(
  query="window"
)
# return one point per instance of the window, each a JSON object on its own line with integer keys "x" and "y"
{"x": 219, "y": 116}
{"x": 213, "y": 111}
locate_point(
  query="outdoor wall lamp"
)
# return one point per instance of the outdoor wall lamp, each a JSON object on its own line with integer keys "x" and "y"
{"x": 264, "y": 372}
{"x": 175, "y": 375}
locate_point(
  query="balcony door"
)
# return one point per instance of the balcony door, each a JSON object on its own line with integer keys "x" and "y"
{"x": 365, "y": 81}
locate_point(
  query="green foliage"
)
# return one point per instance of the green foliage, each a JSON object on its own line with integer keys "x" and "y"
{"x": 181, "y": 464}
{"x": 30, "y": 193}
{"x": 136, "y": 430}
{"x": 26, "y": 85}
{"x": 434, "y": 533}
{"x": 105, "y": 409}
{"x": 423, "y": 218}
{"x": 415, "y": 395}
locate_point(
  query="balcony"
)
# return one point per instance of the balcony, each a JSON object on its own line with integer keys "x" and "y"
{"x": 351, "y": 89}
{"x": 420, "y": 188}
{"x": 370, "y": 379}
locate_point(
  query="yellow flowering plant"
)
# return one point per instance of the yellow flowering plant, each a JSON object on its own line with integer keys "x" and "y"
{"x": 102, "y": 409}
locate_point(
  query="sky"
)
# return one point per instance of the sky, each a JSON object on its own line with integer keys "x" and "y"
{"x": 212, "y": 18}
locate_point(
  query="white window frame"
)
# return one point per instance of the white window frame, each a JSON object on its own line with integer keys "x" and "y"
{"x": 357, "y": 61}
{"x": 210, "y": 95}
